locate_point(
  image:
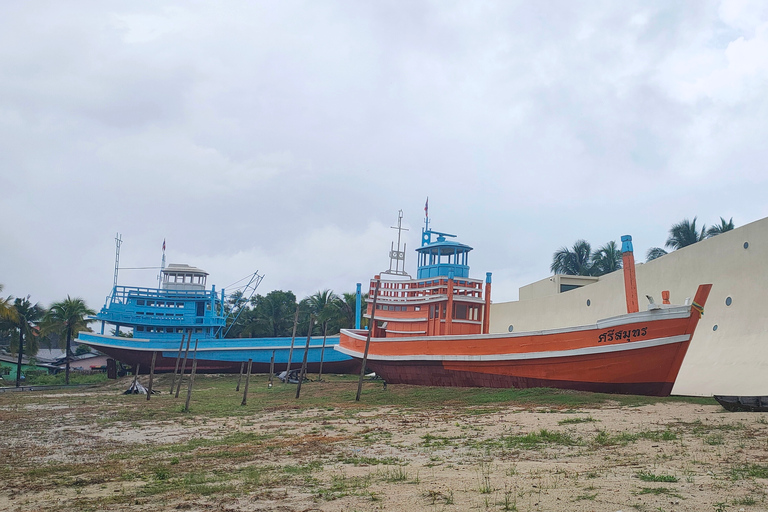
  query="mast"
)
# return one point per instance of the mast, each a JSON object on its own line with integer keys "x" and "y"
{"x": 162, "y": 267}
{"x": 396, "y": 256}
{"x": 118, "y": 242}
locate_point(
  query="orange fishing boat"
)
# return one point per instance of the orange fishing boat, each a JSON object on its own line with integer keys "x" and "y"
{"x": 433, "y": 330}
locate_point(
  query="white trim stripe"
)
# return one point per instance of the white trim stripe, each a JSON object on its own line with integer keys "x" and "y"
{"x": 631, "y": 318}
{"x": 584, "y": 351}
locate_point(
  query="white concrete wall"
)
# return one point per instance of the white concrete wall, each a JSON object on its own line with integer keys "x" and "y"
{"x": 732, "y": 360}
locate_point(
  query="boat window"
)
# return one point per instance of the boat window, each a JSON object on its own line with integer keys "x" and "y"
{"x": 431, "y": 312}
{"x": 199, "y": 330}
{"x": 139, "y": 328}
{"x": 417, "y": 308}
{"x": 461, "y": 311}
{"x": 150, "y": 303}
{"x": 139, "y": 302}
{"x": 169, "y": 329}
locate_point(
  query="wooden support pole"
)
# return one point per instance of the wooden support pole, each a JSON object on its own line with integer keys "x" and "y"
{"x": 136, "y": 370}
{"x": 271, "y": 368}
{"x": 178, "y": 360}
{"x": 151, "y": 374}
{"x": 240, "y": 378}
{"x": 247, "y": 381}
{"x": 371, "y": 327}
{"x": 322, "y": 352}
{"x": 191, "y": 378}
{"x": 184, "y": 364}
{"x": 293, "y": 340}
{"x": 303, "y": 371}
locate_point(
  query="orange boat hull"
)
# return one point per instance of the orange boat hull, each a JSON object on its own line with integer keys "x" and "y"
{"x": 638, "y": 353}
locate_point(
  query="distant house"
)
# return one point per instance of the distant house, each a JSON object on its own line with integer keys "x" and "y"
{"x": 8, "y": 366}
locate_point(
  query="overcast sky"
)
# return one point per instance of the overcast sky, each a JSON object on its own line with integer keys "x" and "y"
{"x": 285, "y": 136}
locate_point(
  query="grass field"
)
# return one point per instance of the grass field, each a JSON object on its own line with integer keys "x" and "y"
{"x": 399, "y": 448}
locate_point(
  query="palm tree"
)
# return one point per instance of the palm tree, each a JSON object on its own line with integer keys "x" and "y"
{"x": 275, "y": 312}
{"x": 347, "y": 305}
{"x": 6, "y": 308}
{"x": 65, "y": 318}
{"x": 574, "y": 262}
{"x": 324, "y": 306}
{"x": 23, "y": 318}
{"x": 721, "y": 228}
{"x": 684, "y": 234}
{"x": 606, "y": 259}
{"x": 655, "y": 252}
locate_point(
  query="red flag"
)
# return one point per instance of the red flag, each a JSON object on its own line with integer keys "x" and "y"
{"x": 426, "y": 208}
{"x": 163, "y": 244}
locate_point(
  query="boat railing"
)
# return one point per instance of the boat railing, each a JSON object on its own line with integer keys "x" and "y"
{"x": 419, "y": 290}
{"x": 121, "y": 294}
{"x": 170, "y": 321}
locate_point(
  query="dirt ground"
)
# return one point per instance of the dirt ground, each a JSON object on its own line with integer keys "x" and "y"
{"x": 98, "y": 450}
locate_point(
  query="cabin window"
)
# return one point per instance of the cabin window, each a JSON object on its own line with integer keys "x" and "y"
{"x": 140, "y": 328}
{"x": 417, "y": 308}
{"x": 445, "y": 310}
{"x": 199, "y": 330}
{"x": 139, "y": 302}
{"x": 461, "y": 311}
{"x": 169, "y": 329}
{"x": 160, "y": 304}
{"x": 150, "y": 303}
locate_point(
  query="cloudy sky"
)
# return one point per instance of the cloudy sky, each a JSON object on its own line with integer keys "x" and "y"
{"x": 284, "y": 136}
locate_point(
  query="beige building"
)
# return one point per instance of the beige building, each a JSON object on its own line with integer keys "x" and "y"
{"x": 729, "y": 351}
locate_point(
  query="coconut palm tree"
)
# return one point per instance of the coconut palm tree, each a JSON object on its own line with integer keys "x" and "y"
{"x": 6, "y": 308}
{"x": 324, "y": 306}
{"x": 655, "y": 252}
{"x": 685, "y": 233}
{"x": 606, "y": 259}
{"x": 575, "y": 261}
{"x": 65, "y": 318}
{"x": 720, "y": 228}
{"x": 23, "y": 320}
{"x": 347, "y": 305}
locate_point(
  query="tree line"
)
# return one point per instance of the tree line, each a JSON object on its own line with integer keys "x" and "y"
{"x": 272, "y": 315}
{"x": 26, "y": 324}
{"x": 580, "y": 260}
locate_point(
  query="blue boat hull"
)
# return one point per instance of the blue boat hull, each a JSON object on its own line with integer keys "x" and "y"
{"x": 224, "y": 355}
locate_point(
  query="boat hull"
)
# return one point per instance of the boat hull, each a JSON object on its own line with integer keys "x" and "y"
{"x": 223, "y": 355}
{"x": 743, "y": 403}
{"x": 638, "y": 353}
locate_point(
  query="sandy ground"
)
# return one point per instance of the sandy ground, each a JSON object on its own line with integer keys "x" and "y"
{"x": 661, "y": 457}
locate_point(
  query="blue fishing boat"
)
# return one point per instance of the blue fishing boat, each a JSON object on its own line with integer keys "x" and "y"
{"x": 183, "y": 314}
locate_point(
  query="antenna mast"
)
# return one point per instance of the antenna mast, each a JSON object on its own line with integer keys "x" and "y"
{"x": 118, "y": 241}
{"x": 397, "y": 256}
{"x": 162, "y": 267}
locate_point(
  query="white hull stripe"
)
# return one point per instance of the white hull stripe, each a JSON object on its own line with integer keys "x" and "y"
{"x": 584, "y": 351}
{"x": 616, "y": 321}
{"x": 175, "y": 347}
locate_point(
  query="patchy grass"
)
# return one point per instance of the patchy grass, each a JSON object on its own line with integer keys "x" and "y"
{"x": 647, "y": 476}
